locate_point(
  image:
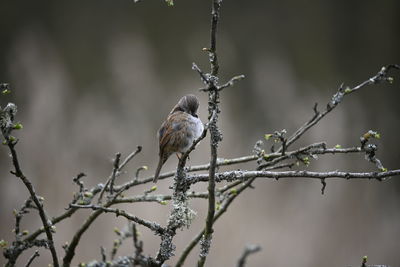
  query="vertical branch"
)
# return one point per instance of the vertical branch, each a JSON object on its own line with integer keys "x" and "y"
{"x": 181, "y": 215}
{"x": 213, "y": 43}
{"x": 114, "y": 172}
{"x": 215, "y": 135}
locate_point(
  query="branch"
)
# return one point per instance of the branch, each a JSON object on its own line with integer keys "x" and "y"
{"x": 70, "y": 248}
{"x": 231, "y": 82}
{"x": 129, "y": 157}
{"x": 42, "y": 213}
{"x": 244, "y": 159}
{"x": 313, "y": 149}
{"x": 54, "y": 221}
{"x": 215, "y": 135}
{"x": 249, "y": 249}
{"x": 244, "y": 175}
{"x": 36, "y": 254}
{"x": 224, "y": 207}
{"x": 382, "y": 75}
{"x": 220, "y": 162}
{"x": 155, "y": 227}
{"x": 111, "y": 179}
{"x": 181, "y": 215}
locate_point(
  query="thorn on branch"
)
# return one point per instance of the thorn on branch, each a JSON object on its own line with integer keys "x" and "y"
{"x": 323, "y": 186}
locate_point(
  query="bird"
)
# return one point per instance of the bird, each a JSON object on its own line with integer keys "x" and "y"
{"x": 178, "y": 132}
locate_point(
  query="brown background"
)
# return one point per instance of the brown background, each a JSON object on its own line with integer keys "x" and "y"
{"x": 92, "y": 78}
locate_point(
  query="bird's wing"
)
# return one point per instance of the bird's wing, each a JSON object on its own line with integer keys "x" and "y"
{"x": 172, "y": 132}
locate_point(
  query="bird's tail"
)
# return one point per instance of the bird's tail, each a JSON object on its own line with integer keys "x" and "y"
{"x": 160, "y": 163}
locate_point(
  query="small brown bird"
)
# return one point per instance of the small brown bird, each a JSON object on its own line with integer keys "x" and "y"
{"x": 178, "y": 132}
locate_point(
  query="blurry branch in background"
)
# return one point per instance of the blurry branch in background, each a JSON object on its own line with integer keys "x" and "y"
{"x": 248, "y": 250}
{"x": 101, "y": 198}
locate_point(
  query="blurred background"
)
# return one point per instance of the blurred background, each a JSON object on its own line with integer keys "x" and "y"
{"x": 92, "y": 78}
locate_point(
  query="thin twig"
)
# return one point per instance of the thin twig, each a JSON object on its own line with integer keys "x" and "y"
{"x": 110, "y": 181}
{"x": 231, "y": 82}
{"x": 114, "y": 172}
{"x": 151, "y": 225}
{"x": 129, "y": 157}
{"x": 70, "y": 249}
{"x": 313, "y": 149}
{"x": 249, "y": 249}
{"x": 36, "y": 254}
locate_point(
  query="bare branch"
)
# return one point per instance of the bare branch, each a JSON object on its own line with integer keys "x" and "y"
{"x": 32, "y": 258}
{"x": 151, "y": 225}
{"x": 220, "y": 162}
{"x": 249, "y": 249}
{"x": 224, "y": 207}
{"x": 114, "y": 173}
{"x": 42, "y": 213}
{"x": 382, "y": 75}
{"x": 129, "y": 157}
{"x": 110, "y": 181}
{"x": 70, "y": 248}
{"x": 313, "y": 149}
{"x": 215, "y": 135}
{"x": 231, "y": 82}
{"x": 244, "y": 175}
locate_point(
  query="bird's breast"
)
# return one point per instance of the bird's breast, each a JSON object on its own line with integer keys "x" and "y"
{"x": 194, "y": 131}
